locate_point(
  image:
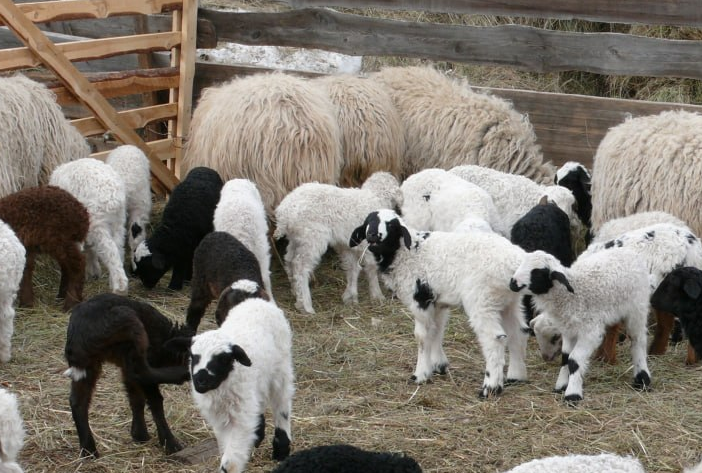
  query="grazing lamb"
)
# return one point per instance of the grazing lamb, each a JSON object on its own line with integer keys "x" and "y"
{"x": 11, "y": 432}
{"x": 233, "y": 397}
{"x": 49, "y": 220}
{"x": 133, "y": 167}
{"x": 241, "y": 213}
{"x": 430, "y": 272}
{"x": 575, "y": 177}
{"x": 187, "y": 218}
{"x": 604, "y": 462}
{"x": 219, "y": 260}
{"x": 346, "y": 459}
{"x": 587, "y": 299}
{"x": 101, "y": 190}
{"x": 13, "y": 262}
{"x": 315, "y": 216}
{"x": 130, "y": 334}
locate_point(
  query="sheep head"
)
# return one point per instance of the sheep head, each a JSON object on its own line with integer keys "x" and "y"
{"x": 211, "y": 361}
{"x": 537, "y": 272}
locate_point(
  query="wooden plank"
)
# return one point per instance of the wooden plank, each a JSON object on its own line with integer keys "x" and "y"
{"x": 22, "y": 58}
{"x": 79, "y": 85}
{"x": 135, "y": 118}
{"x": 522, "y": 47}
{"x": 160, "y": 149}
{"x": 40, "y": 12}
{"x": 649, "y": 12}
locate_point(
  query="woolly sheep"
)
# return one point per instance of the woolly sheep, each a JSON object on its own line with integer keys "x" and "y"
{"x": 346, "y": 459}
{"x": 133, "y": 167}
{"x": 603, "y": 462}
{"x": 186, "y": 219}
{"x": 448, "y": 124}
{"x": 240, "y": 212}
{"x": 587, "y": 299}
{"x": 48, "y": 219}
{"x": 618, "y": 226}
{"x": 35, "y": 137}
{"x": 11, "y": 432}
{"x": 649, "y": 163}
{"x": 432, "y": 271}
{"x": 238, "y": 371}
{"x": 577, "y": 178}
{"x": 315, "y": 216}
{"x": 236, "y": 293}
{"x": 276, "y": 129}
{"x": 372, "y": 132}
{"x": 101, "y": 190}
{"x": 13, "y": 256}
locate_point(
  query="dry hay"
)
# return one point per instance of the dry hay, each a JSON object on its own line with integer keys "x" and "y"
{"x": 352, "y": 365}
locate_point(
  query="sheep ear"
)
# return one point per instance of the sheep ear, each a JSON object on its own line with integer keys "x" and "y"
{"x": 561, "y": 278}
{"x": 692, "y": 288}
{"x": 358, "y": 235}
{"x": 238, "y": 354}
{"x": 543, "y": 200}
{"x": 407, "y": 237}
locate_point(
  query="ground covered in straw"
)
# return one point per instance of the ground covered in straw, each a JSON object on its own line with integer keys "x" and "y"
{"x": 352, "y": 365}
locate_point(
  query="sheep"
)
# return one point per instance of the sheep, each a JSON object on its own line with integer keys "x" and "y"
{"x": 132, "y": 335}
{"x": 219, "y": 260}
{"x": 587, "y": 299}
{"x": 35, "y": 136}
{"x": 315, "y": 216}
{"x": 233, "y": 397}
{"x": 434, "y": 199}
{"x": 603, "y": 462}
{"x": 47, "y": 219}
{"x": 448, "y": 124}
{"x": 11, "y": 432}
{"x": 275, "y": 129}
{"x": 234, "y": 294}
{"x": 649, "y": 163}
{"x": 618, "y": 226}
{"x": 240, "y": 212}
{"x": 186, "y": 219}
{"x": 101, "y": 190}
{"x": 372, "y": 132}
{"x": 577, "y": 178}
{"x": 13, "y": 261}
{"x": 133, "y": 167}
{"x": 344, "y": 458}
{"x": 432, "y": 271}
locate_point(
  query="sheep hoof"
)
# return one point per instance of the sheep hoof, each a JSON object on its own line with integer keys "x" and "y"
{"x": 173, "y": 446}
{"x": 441, "y": 368}
{"x": 414, "y": 380}
{"x": 86, "y": 453}
{"x": 488, "y": 392}
{"x": 560, "y": 390}
{"x": 573, "y": 399}
{"x": 513, "y": 381}
{"x": 642, "y": 381}
{"x": 140, "y": 436}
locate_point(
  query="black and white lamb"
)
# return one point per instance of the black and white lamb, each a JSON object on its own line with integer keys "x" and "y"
{"x": 187, "y": 218}
{"x": 432, "y": 271}
{"x": 344, "y": 458}
{"x": 576, "y": 177}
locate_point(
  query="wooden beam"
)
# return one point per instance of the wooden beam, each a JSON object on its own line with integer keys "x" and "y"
{"x": 40, "y": 12}
{"x": 79, "y": 85}
{"x": 135, "y": 118}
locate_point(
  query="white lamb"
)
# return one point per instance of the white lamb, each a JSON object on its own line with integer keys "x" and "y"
{"x": 11, "y": 432}
{"x": 432, "y": 271}
{"x": 241, "y": 213}
{"x": 238, "y": 371}
{"x": 604, "y": 462}
{"x": 133, "y": 167}
{"x": 435, "y": 199}
{"x": 315, "y": 216}
{"x": 617, "y": 226}
{"x": 13, "y": 257}
{"x": 598, "y": 290}
{"x": 101, "y": 190}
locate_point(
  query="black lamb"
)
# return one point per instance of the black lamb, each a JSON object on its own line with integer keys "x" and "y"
{"x": 346, "y": 459}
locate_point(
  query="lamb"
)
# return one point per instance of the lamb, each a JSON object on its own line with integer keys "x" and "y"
{"x": 187, "y": 218}
{"x": 604, "y": 462}
{"x": 432, "y": 271}
{"x": 573, "y": 175}
{"x": 240, "y": 212}
{"x": 346, "y": 459}
{"x": 132, "y": 335}
{"x": 13, "y": 261}
{"x": 234, "y": 294}
{"x": 101, "y": 190}
{"x": 49, "y": 220}
{"x": 11, "y": 432}
{"x": 618, "y": 226}
{"x": 219, "y": 260}
{"x": 587, "y": 299}
{"x": 315, "y": 216}
{"x": 233, "y": 397}
{"x": 133, "y": 167}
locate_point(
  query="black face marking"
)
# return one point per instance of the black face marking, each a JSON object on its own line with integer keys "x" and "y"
{"x": 573, "y": 366}
{"x": 423, "y": 294}
{"x": 194, "y": 360}
{"x": 384, "y": 247}
{"x": 426, "y": 197}
{"x": 214, "y": 373}
{"x": 540, "y": 281}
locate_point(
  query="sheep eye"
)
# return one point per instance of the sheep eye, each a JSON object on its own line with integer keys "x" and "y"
{"x": 555, "y": 339}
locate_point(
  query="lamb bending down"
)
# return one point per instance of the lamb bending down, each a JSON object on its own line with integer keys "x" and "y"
{"x": 13, "y": 261}
{"x": 315, "y": 216}
{"x": 346, "y": 459}
{"x": 587, "y": 299}
{"x": 11, "y": 432}
{"x": 430, "y": 272}
{"x": 131, "y": 335}
{"x": 604, "y": 462}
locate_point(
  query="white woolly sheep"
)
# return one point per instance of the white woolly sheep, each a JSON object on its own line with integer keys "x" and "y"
{"x": 604, "y": 462}
{"x": 13, "y": 257}
{"x": 346, "y": 459}
{"x": 11, "y": 432}
{"x": 649, "y": 163}
{"x": 587, "y": 299}
{"x": 240, "y": 213}
{"x": 101, "y": 190}
{"x": 133, "y": 167}
{"x": 233, "y": 397}
{"x": 435, "y": 199}
{"x": 432, "y": 271}
{"x": 618, "y": 226}
{"x": 35, "y": 136}
{"x": 276, "y": 129}
{"x": 372, "y": 132}
{"x": 448, "y": 124}
{"x": 315, "y": 216}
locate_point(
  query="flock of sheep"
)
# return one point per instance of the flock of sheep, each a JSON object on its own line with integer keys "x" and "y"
{"x": 412, "y": 178}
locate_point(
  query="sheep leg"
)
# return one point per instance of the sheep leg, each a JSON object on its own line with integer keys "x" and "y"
{"x": 137, "y": 403}
{"x": 200, "y": 298}
{"x": 517, "y": 339}
{"x": 80, "y": 397}
{"x": 607, "y": 352}
{"x": 72, "y": 263}
{"x": 437, "y": 357}
{"x": 179, "y": 275}
{"x": 236, "y": 442}
{"x": 307, "y": 256}
{"x": 7, "y": 316}
{"x": 578, "y": 361}
{"x": 563, "y": 373}
{"x": 370, "y": 269}
{"x": 109, "y": 254}
{"x": 154, "y": 399}
{"x": 281, "y": 405}
{"x": 26, "y": 290}
{"x": 349, "y": 261}
{"x": 422, "y": 333}
{"x": 638, "y": 333}
{"x": 92, "y": 266}
{"x": 664, "y": 325}
{"x": 493, "y": 339}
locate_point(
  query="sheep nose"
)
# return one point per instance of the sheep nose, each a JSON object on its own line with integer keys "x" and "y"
{"x": 513, "y": 286}
{"x": 373, "y": 237}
